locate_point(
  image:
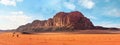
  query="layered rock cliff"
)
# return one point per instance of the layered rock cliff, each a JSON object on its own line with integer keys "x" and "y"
{"x": 61, "y": 21}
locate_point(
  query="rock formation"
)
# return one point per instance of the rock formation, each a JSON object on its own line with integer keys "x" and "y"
{"x": 74, "y": 20}
{"x": 61, "y": 21}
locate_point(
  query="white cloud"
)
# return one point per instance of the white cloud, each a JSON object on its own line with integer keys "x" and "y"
{"x": 9, "y": 2}
{"x": 17, "y": 13}
{"x": 89, "y": 4}
{"x": 19, "y": 0}
{"x": 69, "y": 5}
{"x": 13, "y": 20}
{"x": 114, "y": 12}
{"x": 92, "y": 17}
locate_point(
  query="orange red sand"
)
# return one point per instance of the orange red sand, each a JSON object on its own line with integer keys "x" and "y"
{"x": 60, "y": 39}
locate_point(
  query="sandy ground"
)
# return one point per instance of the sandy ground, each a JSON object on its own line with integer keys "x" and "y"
{"x": 59, "y": 39}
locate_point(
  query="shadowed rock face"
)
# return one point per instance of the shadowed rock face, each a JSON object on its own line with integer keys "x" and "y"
{"x": 72, "y": 20}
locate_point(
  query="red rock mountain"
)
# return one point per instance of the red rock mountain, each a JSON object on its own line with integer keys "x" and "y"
{"x": 62, "y": 21}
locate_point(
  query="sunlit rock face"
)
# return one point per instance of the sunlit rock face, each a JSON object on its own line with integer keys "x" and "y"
{"x": 74, "y": 20}
{"x": 71, "y": 20}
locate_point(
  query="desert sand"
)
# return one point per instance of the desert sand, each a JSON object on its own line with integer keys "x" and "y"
{"x": 59, "y": 39}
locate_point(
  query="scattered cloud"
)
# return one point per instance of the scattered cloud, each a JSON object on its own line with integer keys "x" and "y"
{"x": 92, "y": 17}
{"x": 13, "y": 20}
{"x": 70, "y": 6}
{"x": 89, "y": 4}
{"x": 17, "y": 13}
{"x": 9, "y": 2}
{"x": 114, "y": 12}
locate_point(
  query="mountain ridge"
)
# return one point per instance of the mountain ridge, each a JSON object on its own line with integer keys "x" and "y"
{"x": 62, "y": 21}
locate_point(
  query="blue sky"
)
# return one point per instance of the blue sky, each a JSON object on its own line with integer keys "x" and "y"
{"x": 14, "y": 13}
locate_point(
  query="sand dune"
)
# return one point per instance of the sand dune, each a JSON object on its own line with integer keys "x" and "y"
{"x": 60, "y": 39}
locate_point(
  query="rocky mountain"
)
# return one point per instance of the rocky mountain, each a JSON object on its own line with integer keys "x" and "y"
{"x": 62, "y": 21}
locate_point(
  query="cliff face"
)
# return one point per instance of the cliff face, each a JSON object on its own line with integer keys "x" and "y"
{"x": 74, "y": 20}
{"x": 62, "y": 20}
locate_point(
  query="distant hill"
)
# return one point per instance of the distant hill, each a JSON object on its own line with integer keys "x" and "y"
{"x": 7, "y": 30}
